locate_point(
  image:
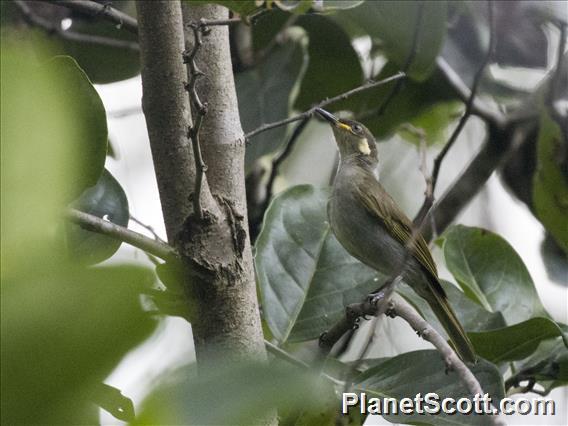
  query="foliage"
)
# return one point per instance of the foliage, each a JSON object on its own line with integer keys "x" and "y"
{"x": 67, "y": 322}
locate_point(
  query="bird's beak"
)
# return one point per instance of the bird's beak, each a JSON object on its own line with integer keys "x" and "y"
{"x": 327, "y": 116}
{"x": 332, "y": 119}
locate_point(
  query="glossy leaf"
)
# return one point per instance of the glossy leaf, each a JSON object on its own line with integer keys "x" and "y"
{"x": 267, "y": 92}
{"x": 515, "y": 342}
{"x": 393, "y": 23}
{"x": 409, "y": 374}
{"x": 492, "y": 273}
{"x": 105, "y": 200}
{"x": 305, "y": 276}
{"x": 550, "y": 184}
{"x": 112, "y": 400}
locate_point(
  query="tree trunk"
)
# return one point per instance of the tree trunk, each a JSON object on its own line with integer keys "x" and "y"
{"x": 215, "y": 245}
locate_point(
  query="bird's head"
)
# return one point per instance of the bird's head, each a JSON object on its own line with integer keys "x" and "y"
{"x": 353, "y": 139}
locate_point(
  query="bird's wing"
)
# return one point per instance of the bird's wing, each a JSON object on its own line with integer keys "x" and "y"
{"x": 394, "y": 219}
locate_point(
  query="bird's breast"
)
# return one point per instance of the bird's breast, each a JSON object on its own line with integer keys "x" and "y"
{"x": 363, "y": 236}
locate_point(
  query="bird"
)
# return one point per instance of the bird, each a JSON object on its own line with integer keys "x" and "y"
{"x": 372, "y": 228}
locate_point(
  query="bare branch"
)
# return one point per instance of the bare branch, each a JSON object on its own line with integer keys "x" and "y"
{"x": 401, "y": 308}
{"x": 121, "y": 19}
{"x": 104, "y": 227}
{"x": 306, "y": 114}
{"x": 429, "y": 199}
{"x": 53, "y": 28}
{"x": 148, "y": 228}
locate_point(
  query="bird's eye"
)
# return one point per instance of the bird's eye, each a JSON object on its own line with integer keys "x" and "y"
{"x": 356, "y": 128}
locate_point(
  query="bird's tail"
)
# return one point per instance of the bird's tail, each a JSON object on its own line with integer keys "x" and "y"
{"x": 445, "y": 314}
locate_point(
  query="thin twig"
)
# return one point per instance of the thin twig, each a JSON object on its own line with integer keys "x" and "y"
{"x": 104, "y": 227}
{"x": 200, "y": 111}
{"x": 306, "y": 114}
{"x": 148, "y": 228}
{"x": 54, "y": 28}
{"x": 401, "y": 308}
{"x": 429, "y": 198}
{"x": 409, "y": 60}
{"x": 92, "y": 8}
{"x": 280, "y": 158}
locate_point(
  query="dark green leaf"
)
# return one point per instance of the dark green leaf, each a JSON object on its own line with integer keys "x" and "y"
{"x": 305, "y": 276}
{"x": 242, "y": 7}
{"x": 550, "y": 185}
{"x": 267, "y": 92}
{"x": 104, "y": 64}
{"x": 491, "y": 273}
{"x": 334, "y": 66}
{"x": 548, "y": 365}
{"x": 393, "y": 24}
{"x": 409, "y": 374}
{"x": 515, "y": 342}
{"x": 411, "y": 105}
{"x": 105, "y": 200}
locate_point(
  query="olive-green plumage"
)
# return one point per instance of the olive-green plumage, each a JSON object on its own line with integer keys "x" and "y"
{"x": 372, "y": 228}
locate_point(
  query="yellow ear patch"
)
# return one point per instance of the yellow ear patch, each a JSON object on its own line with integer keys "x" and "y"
{"x": 363, "y": 146}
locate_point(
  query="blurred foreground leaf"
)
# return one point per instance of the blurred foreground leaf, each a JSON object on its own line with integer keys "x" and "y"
{"x": 238, "y": 393}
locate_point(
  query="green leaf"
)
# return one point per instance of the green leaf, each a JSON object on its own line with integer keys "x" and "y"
{"x": 423, "y": 372}
{"x": 471, "y": 315}
{"x": 105, "y": 200}
{"x": 393, "y": 24}
{"x": 248, "y": 393}
{"x": 334, "y": 66}
{"x": 550, "y": 184}
{"x": 490, "y": 272}
{"x": 267, "y": 92}
{"x": 53, "y": 147}
{"x": 64, "y": 329}
{"x": 88, "y": 108}
{"x": 302, "y": 268}
{"x": 413, "y": 104}
{"x": 515, "y": 342}
{"x": 548, "y": 365}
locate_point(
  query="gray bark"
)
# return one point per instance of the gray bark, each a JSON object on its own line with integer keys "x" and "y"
{"x": 215, "y": 247}
{"x": 166, "y": 107}
{"x": 230, "y": 317}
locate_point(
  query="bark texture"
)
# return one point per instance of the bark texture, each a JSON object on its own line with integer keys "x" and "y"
{"x": 229, "y": 318}
{"x": 214, "y": 245}
{"x": 166, "y": 107}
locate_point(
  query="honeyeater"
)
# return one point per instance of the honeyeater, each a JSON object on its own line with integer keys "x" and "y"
{"x": 373, "y": 229}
